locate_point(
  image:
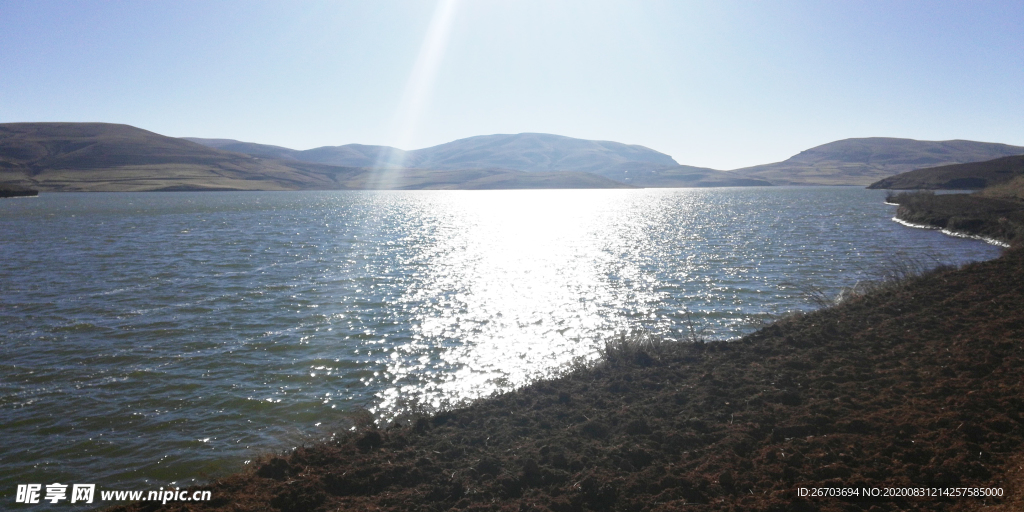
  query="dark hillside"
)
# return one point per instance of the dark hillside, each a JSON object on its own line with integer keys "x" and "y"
{"x": 97, "y": 145}
{"x": 975, "y": 175}
{"x": 115, "y": 157}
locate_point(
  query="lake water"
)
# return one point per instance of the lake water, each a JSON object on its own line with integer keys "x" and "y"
{"x": 165, "y": 337}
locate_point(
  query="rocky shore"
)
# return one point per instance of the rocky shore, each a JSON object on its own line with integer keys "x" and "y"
{"x": 996, "y": 218}
{"x": 915, "y": 384}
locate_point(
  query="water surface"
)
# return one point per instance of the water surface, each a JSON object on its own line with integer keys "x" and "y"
{"x": 162, "y": 337}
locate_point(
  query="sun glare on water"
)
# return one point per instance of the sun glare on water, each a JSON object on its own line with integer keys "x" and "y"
{"x": 511, "y": 289}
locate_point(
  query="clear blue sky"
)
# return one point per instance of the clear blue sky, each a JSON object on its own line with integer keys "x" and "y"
{"x": 717, "y": 83}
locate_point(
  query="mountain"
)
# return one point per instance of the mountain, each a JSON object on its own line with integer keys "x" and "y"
{"x": 349, "y": 155}
{"x": 865, "y": 161}
{"x": 16, "y": 191}
{"x": 844, "y": 162}
{"x": 113, "y": 157}
{"x": 975, "y": 175}
{"x": 117, "y": 157}
{"x": 536, "y": 152}
{"x": 527, "y": 152}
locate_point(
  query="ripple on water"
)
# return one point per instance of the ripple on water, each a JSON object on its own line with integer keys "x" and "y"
{"x": 163, "y": 337}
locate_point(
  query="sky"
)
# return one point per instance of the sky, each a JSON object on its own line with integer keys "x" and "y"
{"x": 713, "y": 83}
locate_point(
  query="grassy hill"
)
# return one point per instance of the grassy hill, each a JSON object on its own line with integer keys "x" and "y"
{"x": 113, "y": 157}
{"x": 867, "y": 160}
{"x": 975, "y": 175}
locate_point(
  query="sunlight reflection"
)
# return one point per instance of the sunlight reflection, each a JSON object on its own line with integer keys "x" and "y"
{"x": 514, "y": 290}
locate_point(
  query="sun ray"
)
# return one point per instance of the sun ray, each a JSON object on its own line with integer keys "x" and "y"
{"x": 417, "y": 92}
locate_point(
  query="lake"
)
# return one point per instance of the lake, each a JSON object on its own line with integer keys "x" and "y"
{"x": 166, "y": 337}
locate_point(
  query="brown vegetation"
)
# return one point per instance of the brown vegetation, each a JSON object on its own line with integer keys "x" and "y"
{"x": 1013, "y": 189}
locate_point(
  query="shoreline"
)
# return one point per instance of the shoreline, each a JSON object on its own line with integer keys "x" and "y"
{"x": 957, "y": 234}
{"x": 917, "y": 383}
{"x": 998, "y": 221}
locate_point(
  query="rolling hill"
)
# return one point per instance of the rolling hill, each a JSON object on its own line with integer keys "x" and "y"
{"x": 536, "y": 152}
{"x": 865, "y": 161}
{"x": 528, "y": 152}
{"x": 525, "y": 152}
{"x": 844, "y": 162}
{"x": 975, "y": 175}
{"x": 115, "y": 157}
{"x": 112, "y": 157}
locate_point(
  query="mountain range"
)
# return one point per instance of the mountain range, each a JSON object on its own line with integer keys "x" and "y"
{"x": 860, "y": 161}
{"x": 113, "y": 157}
{"x": 527, "y": 152}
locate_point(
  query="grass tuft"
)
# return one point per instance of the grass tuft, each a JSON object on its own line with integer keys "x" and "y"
{"x": 640, "y": 347}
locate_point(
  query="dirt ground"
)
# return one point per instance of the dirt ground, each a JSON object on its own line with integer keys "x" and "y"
{"x": 916, "y": 386}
